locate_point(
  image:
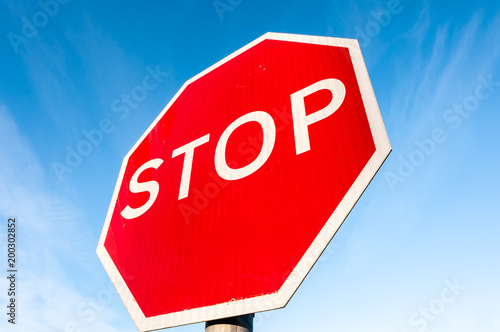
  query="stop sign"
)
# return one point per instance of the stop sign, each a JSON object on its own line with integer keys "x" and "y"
{"x": 225, "y": 203}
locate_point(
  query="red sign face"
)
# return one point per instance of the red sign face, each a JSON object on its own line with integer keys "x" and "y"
{"x": 231, "y": 195}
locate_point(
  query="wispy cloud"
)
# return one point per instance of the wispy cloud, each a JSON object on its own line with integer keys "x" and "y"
{"x": 51, "y": 239}
{"x": 65, "y": 103}
{"x": 55, "y": 91}
{"x": 436, "y": 80}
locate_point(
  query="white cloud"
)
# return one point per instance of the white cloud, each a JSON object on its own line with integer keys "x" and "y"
{"x": 51, "y": 236}
{"x": 459, "y": 55}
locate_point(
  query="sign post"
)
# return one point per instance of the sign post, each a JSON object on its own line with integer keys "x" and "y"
{"x": 270, "y": 148}
{"x": 242, "y": 323}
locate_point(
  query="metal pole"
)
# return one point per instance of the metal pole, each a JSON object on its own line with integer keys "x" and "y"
{"x": 242, "y": 323}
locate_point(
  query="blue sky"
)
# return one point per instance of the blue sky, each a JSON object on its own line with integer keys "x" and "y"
{"x": 419, "y": 252}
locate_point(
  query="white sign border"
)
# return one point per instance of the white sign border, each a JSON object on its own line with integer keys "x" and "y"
{"x": 281, "y": 298}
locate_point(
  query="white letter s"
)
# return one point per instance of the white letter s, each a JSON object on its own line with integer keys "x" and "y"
{"x": 151, "y": 186}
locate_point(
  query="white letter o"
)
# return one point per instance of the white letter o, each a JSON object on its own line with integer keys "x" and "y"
{"x": 269, "y": 129}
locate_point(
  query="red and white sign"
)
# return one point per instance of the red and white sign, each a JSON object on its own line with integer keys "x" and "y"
{"x": 225, "y": 203}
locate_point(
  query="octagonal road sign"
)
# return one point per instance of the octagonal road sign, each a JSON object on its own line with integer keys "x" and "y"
{"x": 228, "y": 199}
